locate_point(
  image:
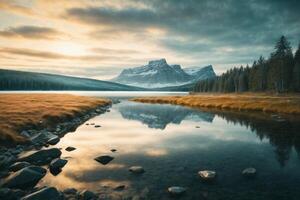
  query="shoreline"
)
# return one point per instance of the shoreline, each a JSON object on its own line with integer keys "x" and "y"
{"x": 287, "y": 104}
{"x": 39, "y": 142}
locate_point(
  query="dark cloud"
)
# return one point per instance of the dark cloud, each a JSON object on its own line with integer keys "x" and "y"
{"x": 31, "y": 32}
{"x": 204, "y": 25}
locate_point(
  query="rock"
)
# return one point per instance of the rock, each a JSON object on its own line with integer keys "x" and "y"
{"x": 119, "y": 188}
{"x": 25, "y": 178}
{"x": 176, "y": 190}
{"x": 70, "y": 148}
{"x": 6, "y": 160}
{"x": 113, "y": 150}
{"x": 87, "y": 195}
{"x": 70, "y": 191}
{"x": 197, "y": 127}
{"x": 18, "y": 165}
{"x": 47, "y": 193}
{"x": 93, "y": 124}
{"x": 42, "y": 137}
{"x": 97, "y": 126}
{"x": 207, "y": 175}
{"x": 54, "y": 140}
{"x": 11, "y": 194}
{"x": 104, "y": 159}
{"x": 87, "y": 124}
{"x": 249, "y": 172}
{"x": 137, "y": 169}
{"x": 58, "y": 163}
{"x": 41, "y": 157}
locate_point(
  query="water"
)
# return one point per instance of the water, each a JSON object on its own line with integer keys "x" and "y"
{"x": 165, "y": 141}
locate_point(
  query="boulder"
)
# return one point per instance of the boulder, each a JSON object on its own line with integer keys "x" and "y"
{"x": 87, "y": 195}
{"x": 11, "y": 194}
{"x": 70, "y": 191}
{"x": 18, "y": 165}
{"x": 58, "y": 163}
{"x": 207, "y": 175}
{"x": 104, "y": 159}
{"x": 54, "y": 140}
{"x": 40, "y": 157}
{"x": 137, "y": 169}
{"x": 46, "y": 193}
{"x": 249, "y": 172}
{"x": 70, "y": 148}
{"x": 25, "y": 178}
{"x": 176, "y": 190}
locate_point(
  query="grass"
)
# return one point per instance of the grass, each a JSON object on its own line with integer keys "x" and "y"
{"x": 287, "y": 104}
{"x": 21, "y": 111}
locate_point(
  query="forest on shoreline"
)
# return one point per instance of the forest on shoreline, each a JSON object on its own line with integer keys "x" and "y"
{"x": 279, "y": 73}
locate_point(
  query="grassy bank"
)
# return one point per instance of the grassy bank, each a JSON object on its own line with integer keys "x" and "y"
{"x": 21, "y": 111}
{"x": 288, "y": 104}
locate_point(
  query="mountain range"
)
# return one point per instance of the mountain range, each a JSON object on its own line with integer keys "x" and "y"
{"x": 158, "y": 74}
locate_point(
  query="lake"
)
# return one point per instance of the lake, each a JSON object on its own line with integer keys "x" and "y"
{"x": 173, "y": 143}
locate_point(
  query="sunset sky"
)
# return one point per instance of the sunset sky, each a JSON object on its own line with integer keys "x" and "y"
{"x": 99, "y": 38}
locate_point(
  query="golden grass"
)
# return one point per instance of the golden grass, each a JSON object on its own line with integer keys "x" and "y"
{"x": 288, "y": 104}
{"x": 20, "y": 111}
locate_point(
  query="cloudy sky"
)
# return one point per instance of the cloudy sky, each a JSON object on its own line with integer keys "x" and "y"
{"x": 98, "y": 38}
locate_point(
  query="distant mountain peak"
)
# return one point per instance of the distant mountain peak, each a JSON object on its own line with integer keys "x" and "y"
{"x": 158, "y": 62}
{"x": 158, "y": 73}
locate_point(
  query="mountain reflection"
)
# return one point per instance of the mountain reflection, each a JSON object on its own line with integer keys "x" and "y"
{"x": 159, "y": 116}
{"x": 282, "y": 135}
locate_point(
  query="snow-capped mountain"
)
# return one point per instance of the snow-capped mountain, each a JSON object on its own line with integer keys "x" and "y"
{"x": 201, "y": 73}
{"x": 158, "y": 73}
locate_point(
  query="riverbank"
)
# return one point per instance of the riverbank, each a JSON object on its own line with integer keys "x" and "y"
{"x": 23, "y": 112}
{"x": 30, "y": 123}
{"x": 285, "y": 104}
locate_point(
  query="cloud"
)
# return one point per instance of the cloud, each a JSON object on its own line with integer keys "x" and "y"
{"x": 31, "y": 32}
{"x": 229, "y": 23}
{"x": 51, "y": 55}
{"x": 15, "y": 8}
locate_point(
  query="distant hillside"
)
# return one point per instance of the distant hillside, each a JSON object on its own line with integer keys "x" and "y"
{"x": 19, "y": 80}
{"x": 159, "y": 74}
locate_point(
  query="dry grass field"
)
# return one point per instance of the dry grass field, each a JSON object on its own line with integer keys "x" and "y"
{"x": 19, "y": 111}
{"x": 288, "y": 104}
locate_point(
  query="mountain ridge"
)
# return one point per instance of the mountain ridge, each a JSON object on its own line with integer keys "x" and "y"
{"x": 159, "y": 74}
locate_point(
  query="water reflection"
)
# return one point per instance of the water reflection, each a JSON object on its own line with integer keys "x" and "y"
{"x": 163, "y": 139}
{"x": 158, "y": 116}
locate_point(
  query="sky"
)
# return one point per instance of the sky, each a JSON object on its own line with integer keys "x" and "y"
{"x": 99, "y": 38}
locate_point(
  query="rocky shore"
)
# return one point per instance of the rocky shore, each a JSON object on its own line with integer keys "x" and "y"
{"x": 23, "y": 166}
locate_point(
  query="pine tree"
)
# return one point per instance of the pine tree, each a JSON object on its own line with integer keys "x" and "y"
{"x": 296, "y": 71}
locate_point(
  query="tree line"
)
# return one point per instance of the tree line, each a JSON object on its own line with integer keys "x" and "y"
{"x": 279, "y": 73}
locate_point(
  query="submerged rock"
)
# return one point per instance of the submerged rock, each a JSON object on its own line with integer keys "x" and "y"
{"x": 119, "y": 188}
{"x": 87, "y": 195}
{"x": 47, "y": 193}
{"x": 25, "y": 178}
{"x": 137, "y": 169}
{"x": 207, "y": 175}
{"x": 104, "y": 159}
{"x": 176, "y": 190}
{"x": 113, "y": 150}
{"x": 249, "y": 172}
{"x": 58, "y": 163}
{"x": 97, "y": 126}
{"x": 18, "y": 165}
{"x": 70, "y": 149}
{"x": 40, "y": 157}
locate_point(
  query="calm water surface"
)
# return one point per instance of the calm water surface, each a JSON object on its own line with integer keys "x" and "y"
{"x": 165, "y": 141}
